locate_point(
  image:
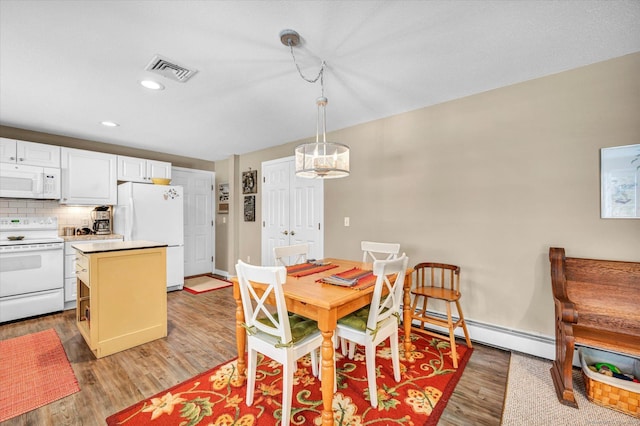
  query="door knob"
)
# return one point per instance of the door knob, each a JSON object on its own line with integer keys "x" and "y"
{"x": 285, "y": 232}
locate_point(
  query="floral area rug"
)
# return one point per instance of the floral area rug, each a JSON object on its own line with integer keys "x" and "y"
{"x": 216, "y": 397}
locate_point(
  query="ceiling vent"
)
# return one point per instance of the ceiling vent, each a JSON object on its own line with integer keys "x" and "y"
{"x": 170, "y": 69}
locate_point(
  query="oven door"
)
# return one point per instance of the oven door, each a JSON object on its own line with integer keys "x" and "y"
{"x": 31, "y": 268}
{"x": 20, "y": 181}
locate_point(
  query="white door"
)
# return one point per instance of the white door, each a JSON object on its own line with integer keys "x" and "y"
{"x": 199, "y": 227}
{"x": 292, "y": 210}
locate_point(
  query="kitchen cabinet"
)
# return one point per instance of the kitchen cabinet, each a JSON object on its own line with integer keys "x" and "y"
{"x": 131, "y": 169}
{"x": 88, "y": 177}
{"x": 70, "y": 285}
{"x": 29, "y": 153}
{"x": 121, "y": 294}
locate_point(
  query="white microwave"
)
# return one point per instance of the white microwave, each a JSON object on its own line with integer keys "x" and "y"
{"x": 17, "y": 181}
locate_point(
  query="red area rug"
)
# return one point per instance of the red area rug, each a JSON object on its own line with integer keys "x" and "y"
{"x": 204, "y": 284}
{"x": 34, "y": 371}
{"x": 216, "y": 397}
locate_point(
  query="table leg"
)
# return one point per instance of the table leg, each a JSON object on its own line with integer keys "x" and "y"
{"x": 406, "y": 317}
{"x": 328, "y": 375}
{"x": 241, "y": 336}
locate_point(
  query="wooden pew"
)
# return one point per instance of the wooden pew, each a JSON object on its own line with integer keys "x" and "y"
{"x": 597, "y": 304}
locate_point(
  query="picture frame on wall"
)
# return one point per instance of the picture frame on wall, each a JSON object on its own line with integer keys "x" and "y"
{"x": 250, "y": 208}
{"x": 223, "y": 198}
{"x": 250, "y": 182}
{"x": 619, "y": 179}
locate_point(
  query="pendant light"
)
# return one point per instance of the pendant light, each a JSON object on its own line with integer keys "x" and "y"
{"x": 319, "y": 159}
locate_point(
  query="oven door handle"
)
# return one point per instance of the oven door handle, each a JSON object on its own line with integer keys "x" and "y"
{"x": 17, "y": 249}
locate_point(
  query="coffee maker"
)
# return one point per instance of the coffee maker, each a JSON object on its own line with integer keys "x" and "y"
{"x": 101, "y": 217}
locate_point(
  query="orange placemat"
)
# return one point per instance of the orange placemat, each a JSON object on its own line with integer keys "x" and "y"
{"x": 304, "y": 269}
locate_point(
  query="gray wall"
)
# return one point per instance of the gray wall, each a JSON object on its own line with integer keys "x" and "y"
{"x": 488, "y": 182}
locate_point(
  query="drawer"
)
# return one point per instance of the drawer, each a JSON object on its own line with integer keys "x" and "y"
{"x": 82, "y": 268}
{"x": 70, "y": 265}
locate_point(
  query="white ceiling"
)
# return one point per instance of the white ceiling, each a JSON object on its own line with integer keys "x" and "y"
{"x": 65, "y": 66}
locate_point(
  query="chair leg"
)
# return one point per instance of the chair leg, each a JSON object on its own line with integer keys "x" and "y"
{"x": 370, "y": 359}
{"x": 352, "y": 349}
{"x": 287, "y": 389}
{"x": 314, "y": 363}
{"x": 424, "y": 310}
{"x": 452, "y": 337}
{"x": 395, "y": 356}
{"x": 463, "y": 324}
{"x": 252, "y": 360}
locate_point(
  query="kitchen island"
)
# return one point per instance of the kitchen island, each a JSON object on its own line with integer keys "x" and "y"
{"x": 121, "y": 294}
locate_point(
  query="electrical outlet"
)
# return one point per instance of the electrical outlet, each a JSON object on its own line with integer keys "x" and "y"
{"x": 346, "y": 221}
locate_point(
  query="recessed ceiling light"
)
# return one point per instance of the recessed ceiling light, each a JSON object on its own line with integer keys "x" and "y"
{"x": 109, "y": 123}
{"x": 151, "y": 85}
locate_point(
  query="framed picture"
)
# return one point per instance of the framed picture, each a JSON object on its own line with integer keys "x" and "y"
{"x": 250, "y": 182}
{"x": 619, "y": 178}
{"x": 250, "y": 208}
{"x": 223, "y": 198}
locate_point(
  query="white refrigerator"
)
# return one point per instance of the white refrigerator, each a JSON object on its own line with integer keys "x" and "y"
{"x": 154, "y": 213}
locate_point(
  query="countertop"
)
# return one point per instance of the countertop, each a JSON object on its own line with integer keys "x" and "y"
{"x": 99, "y": 247}
{"x": 90, "y": 237}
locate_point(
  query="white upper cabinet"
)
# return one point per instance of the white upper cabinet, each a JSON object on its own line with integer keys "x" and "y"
{"x": 88, "y": 177}
{"x": 29, "y": 153}
{"x": 133, "y": 169}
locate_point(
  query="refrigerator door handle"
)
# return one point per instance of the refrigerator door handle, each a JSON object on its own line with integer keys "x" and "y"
{"x": 130, "y": 220}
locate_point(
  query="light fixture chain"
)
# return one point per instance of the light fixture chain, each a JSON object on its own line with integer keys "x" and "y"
{"x": 320, "y": 73}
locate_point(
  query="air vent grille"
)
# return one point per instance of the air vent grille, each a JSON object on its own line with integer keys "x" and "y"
{"x": 169, "y": 69}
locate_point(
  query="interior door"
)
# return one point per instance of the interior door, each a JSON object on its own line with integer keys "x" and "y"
{"x": 199, "y": 235}
{"x": 292, "y": 210}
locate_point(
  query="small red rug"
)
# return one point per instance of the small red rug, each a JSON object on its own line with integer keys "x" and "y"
{"x": 34, "y": 371}
{"x": 216, "y": 397}
{"x": 204, "y": 284}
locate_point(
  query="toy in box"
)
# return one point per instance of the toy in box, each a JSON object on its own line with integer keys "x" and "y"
{"x": 621, "y": 394}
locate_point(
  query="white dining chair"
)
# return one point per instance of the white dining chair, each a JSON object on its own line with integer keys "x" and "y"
{"x": 371, "y": 325}
{"x": 282, "y": 337}
{"x": 284, "y": 254}
{"x": 371, "y": 248}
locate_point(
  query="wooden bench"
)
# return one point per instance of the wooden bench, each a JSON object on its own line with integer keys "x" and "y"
{"x": 597, "y": 304}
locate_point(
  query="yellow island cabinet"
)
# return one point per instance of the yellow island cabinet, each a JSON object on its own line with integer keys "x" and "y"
{"x": 122, "y": 294}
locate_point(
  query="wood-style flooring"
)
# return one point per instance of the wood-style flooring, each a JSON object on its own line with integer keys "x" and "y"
{"x": 201, "y": 336}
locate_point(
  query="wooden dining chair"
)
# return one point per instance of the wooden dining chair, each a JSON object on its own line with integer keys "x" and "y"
{"x": 284, "y": 254}
{"x": 281, "y": 336}
{"x": 371, "y": 248}
{"x": 371, "y": 325}
{"x": 438, "y": 281}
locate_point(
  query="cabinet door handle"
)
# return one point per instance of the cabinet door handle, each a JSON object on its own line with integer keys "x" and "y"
{"x": 12, "y": 158}
{"x": 20, "y": 159}
{"x": 285, "y": 232}
{"x": 293, "y": 232}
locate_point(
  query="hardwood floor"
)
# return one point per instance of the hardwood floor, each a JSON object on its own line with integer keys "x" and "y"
{"x": 201, "y": 336}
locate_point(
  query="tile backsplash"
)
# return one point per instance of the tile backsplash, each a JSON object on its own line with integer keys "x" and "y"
{"x": 76, "y": 216}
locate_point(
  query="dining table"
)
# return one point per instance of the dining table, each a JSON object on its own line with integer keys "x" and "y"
{"x": 307, "y": 295}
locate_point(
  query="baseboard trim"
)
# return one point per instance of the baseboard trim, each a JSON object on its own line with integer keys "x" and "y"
{"x": 222, "y": 273}
{"x": 505, "y": 338}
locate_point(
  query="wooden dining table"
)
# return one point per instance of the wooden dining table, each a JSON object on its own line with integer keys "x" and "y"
{"x": 324, "y": 303}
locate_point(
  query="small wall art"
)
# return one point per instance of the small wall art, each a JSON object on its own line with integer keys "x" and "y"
{"x": 250, "y": 182}
{"x": 250, "y": 208}
{"x": 223, "y": 198}
{"x": 619, "y": 178}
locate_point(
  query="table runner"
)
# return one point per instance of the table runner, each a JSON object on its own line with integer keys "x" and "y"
{"x": 304, "y": 269}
